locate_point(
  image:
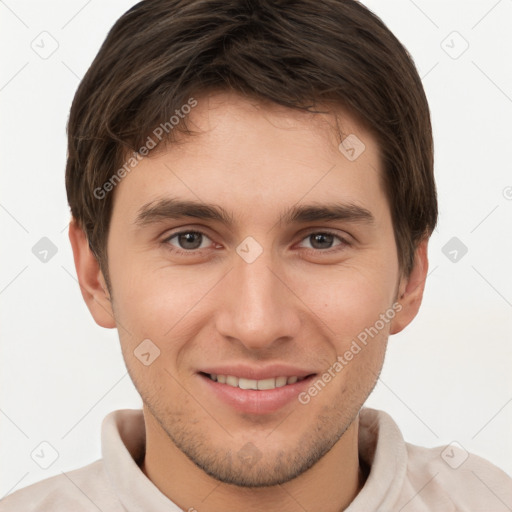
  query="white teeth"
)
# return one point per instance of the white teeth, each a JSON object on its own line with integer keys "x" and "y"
{"x": 280, "y": 382}
{"x": 247, "y": 383}
{"x": 231, "y": 381}
{"x": 267, "y": 383}
{"x": 263, "y": 384}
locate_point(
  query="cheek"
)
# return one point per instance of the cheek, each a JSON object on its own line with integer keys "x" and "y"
{"x": 155, "y": 301}
{"x": 350, "y": 299}
{"x": 359, "y": 312}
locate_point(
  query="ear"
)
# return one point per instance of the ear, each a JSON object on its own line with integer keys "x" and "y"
{"x": 92, "y": 283}
{"x": 410, "y": 290}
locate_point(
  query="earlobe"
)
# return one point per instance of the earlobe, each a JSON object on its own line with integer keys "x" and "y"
{"x": 411, "y": 290}
{"x": 91, "y": 279}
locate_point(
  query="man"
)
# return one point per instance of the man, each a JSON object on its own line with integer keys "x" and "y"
{"x": 252, "y": 193}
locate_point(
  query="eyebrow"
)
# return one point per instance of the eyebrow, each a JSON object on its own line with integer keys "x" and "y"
{"x": 172, "y": 208}
{"x": 327, "y": 212}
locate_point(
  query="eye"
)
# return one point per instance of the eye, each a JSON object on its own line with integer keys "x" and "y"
{"x": 191, "y": 241}
{"x": 188, "y": 240}
{"x": 323, "y": 240}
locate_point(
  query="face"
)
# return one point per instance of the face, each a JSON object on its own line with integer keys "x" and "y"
{"x": 290, "y": 262}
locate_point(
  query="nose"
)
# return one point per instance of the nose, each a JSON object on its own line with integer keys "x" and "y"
{"x": 258, "y": 307}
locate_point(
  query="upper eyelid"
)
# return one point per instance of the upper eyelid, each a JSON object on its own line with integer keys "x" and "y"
{"x": 172, "y": 235}
{"x": 324, "y": 232}
{"x": 169, "y": 234}
{"x": 330, "y": 231}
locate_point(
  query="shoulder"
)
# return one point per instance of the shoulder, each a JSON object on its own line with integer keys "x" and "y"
{"x": 451, "y": 475}
{"x": 81, "y": 490}
{"x": 418, "y": 479}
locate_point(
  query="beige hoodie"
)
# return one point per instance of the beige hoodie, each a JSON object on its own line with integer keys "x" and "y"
{"x": 402, "y": 478}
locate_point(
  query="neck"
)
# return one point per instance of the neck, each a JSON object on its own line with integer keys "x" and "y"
{"x": 330, "y": 485}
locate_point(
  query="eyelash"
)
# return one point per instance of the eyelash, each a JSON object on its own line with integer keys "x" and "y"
{"x": 193, "y": 252}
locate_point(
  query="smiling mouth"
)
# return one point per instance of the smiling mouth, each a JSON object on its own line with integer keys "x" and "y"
{"x": 258, "y": 385}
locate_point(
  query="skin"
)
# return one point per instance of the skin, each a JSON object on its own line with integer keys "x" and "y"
{"x": 300, "y": 303}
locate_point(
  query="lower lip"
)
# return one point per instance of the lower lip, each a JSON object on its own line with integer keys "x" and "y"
{"x": 256, "y": 402}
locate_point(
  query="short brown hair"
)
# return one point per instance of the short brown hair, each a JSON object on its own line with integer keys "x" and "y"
{"x": 295, "y": 53}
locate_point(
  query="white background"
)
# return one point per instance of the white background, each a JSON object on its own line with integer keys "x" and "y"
{"x": 446, "y": 378}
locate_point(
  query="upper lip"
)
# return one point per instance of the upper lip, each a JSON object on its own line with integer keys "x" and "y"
{"x": 258, "y": 373}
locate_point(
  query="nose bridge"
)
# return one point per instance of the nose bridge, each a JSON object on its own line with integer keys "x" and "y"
{"x": 258, "y": 309}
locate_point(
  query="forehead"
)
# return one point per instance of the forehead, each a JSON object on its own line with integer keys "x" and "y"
{"x": 253, "y": 157}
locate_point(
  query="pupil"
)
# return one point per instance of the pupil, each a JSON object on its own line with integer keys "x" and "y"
{"x": 187, "y": 240}
{"x": 321, "y": 240}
